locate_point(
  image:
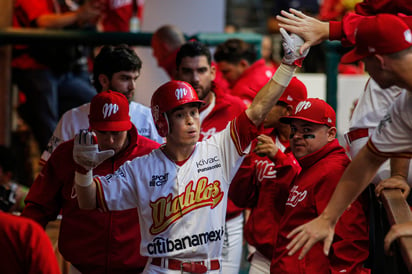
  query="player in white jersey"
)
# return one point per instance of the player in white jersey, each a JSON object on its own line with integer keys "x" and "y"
{"x": 372, "y": 106}
{"x": 115, "y": 68}
{"x": 181, "y": 189}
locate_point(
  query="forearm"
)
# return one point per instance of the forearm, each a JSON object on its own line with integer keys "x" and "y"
{"x": 267, "y": 97}
{"x": 400, "y": 167}
{"x": 353, "y": 181}
{"x": 57, "y": 21}
{"x": 86, "y": 190}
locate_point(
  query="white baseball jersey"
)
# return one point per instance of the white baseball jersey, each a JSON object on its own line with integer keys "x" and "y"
{"x": 78, "y": 118}
{"x": 393, "y": 135}
{"x": 181, "y": 208}
{"x": 373, "y": 105}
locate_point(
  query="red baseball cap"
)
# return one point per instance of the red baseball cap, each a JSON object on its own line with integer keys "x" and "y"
{"x": 313, "y": 110}
{"x": 294, "y": 93}
{"x": 109, "y": 111}
{"x": 380, "y": 34}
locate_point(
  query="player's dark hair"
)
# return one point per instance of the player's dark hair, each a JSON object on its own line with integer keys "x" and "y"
{"x": 234, "y": 50}
{"x": 112, "y": 59}
{"x": 7, "y": 159}
{"x": 193, "y": 49}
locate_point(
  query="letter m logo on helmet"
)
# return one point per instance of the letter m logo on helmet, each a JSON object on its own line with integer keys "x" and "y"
{"x": 180, "y": 93}
{"x": 167, "y": 97}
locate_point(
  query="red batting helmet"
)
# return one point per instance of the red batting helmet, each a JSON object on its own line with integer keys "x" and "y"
{"x": 167, "y": 97}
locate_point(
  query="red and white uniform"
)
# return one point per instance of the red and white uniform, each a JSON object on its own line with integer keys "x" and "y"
{"x": 93, "y": 241}
{"x": 373, "y": 105}
{"x": 309, "y": 195}
{"x": 395, "y": 128}
{"x": 264, "y": 188}
{"x": 182, "y": 208}
{"x": 25, "y": 247}
{"x": 252, "y": 80}
{"x": 77, "y": 118}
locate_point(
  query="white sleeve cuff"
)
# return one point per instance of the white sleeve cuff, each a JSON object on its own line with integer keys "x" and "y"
{"x": 83, "y": 180}
{"x": 284, "y": 74}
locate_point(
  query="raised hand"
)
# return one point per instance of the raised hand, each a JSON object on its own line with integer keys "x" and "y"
{"x": 310, "y": 29}
{"x": 86, "y": 151}
{"x": 291, "y": 45}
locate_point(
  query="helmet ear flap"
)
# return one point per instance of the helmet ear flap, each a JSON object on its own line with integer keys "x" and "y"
{"x": 162, "y": 125}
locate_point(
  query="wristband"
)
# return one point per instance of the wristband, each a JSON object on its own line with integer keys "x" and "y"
{"x": 284, "y": 74}
{"x": 83, "y": 180}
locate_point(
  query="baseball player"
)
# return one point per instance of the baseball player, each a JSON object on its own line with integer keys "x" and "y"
{"x": 25, "y": 247}
{"x": 236, "y": 59}
{"x": 181, "y": 189}
{"x": 193, "y": 61}
{"x": 115, "y": 68}
{"x": 264, "y": 179}
{"x": 382, "y": 41}
{"x": 323, "y": 160}
{"x": 93, "y": 241}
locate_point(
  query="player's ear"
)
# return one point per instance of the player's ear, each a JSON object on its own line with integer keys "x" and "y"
{"x": 331, "y": 134}
{"x": 104, "y": 81}
{"x": 381, "y": 61}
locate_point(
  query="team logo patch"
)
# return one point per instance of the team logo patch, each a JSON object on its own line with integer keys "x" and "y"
{"x": 158, "y": 180}
{"x": 109, "y": 110}
{"x": 295, "y": 196}
{"x": 180, "y": 93}
{"x": 302, "y": 106}
{"x": 167, "y": 210}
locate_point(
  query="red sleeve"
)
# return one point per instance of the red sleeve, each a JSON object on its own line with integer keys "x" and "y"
{"x": 351, "y": 243}
{"x": 372, "y": 7}
{"x": 345, "y": 29}
{"x": 44, "y": 200}
{"x": 30, "y": 10}
{"x": 243, "y": 131}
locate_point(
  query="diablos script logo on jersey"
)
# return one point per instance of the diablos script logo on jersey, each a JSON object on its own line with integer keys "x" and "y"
{"x": 180, "y": 93}
{"x": 161, "y": 245}
{"x": 265, "y": 170}
{"x": 158, "y": 180}
{"x": 109, "y": 109}
{"x": 169, "y": 209}
{"x": 295, "y": 196}
{"x": 206, "y": 164}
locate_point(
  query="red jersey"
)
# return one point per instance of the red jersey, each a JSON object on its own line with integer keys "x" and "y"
{"x": 265, "y": 188}
{"x": 93, "y": 241}
{"x": 309, "y": 194}
{"x": 252, "y": 80}
{"x": 369, "y": 7}
{"x": 25, "y": 13}
{"x": 25, "y": 247}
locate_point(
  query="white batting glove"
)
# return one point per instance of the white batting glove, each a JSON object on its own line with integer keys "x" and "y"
{"x": 86, "y": 151}
{"x": 291, "y": 45}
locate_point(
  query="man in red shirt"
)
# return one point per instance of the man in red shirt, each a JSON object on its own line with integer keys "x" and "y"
{"x": 323, "y": 161}
{"x": 236, "y": 59}
{"x": 93, "y": 241}
{"x": 264, "y": 178}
